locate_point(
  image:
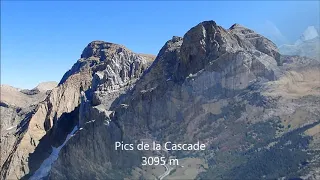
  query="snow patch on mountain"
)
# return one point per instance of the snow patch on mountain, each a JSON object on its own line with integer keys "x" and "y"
{"x": 45, "y": 167}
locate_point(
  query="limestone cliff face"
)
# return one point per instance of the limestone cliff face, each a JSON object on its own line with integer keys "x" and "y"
{"x": 112, "y": 64}
{"x": 255, "y": 110}
{"x": 235, "y": 57}
{"x": 228, "y": 88}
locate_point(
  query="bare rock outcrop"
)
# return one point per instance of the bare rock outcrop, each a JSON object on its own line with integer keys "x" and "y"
{"x": 15, "y": 105}
{"x": 215, "y": 85}
{"x": 230, "y": 89}
{"x": 112, "y": 64}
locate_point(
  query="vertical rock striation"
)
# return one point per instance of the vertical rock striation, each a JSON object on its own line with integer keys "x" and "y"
{"x": 102, "y": 66}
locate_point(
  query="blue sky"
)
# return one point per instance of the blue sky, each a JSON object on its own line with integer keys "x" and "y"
{"x": 41, "y": 40}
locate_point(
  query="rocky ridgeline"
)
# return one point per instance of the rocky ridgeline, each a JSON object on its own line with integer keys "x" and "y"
{"x": 228, "y": 88}
{"x": 112, "y": 64}
{"x": 209, "y": 43}
{"x": 231, "y": 59}
{"x": 211, "y": 85}
{"x": 15, "y": 105}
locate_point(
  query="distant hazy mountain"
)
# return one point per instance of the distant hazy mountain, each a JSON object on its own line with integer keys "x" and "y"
{"x": 307, "y": 45}
{"x": 309, "y": 34}
{"x": 24, "y": 97}
{"x": 45, "y": 86}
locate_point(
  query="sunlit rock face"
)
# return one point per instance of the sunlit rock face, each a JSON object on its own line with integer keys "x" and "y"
{"x": 213, "y": 84}
{"x": 16, "y": 105}
{"x": 103, "y": 68}
{"x": 227, "y": 88}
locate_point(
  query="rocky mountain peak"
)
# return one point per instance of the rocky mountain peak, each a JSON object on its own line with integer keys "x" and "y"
{"x": 236, "y": 25}
{"x": 208, "y": 42}
{"x": 240, "y": 29}
{"x": 104, "y": 71}
{"x": 100, "y": 49}
{"x": 176, "y": 39}
{"x": 101, "y": 55}
{"x": 250, "y": 40}
{"x": 214, "y": 85}
{"x": 203, "y": 43}
{"x": 209, "y": 85}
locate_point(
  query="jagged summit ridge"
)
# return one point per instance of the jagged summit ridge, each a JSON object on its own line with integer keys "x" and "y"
{"x": 100, "y": 48}
{"x": 205, "y": 86}
{"x": 236, "y": 25}
{"x": 103, "y": 68}
{"x": 210, "y": 45}
{"x": 194, "y": 83}
{"x": 101, "y": 55}
{"x": 236, "y": 55}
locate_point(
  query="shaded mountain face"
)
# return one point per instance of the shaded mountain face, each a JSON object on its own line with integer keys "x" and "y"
{"x": 307, "y": 45}
{"x": 256, "y": 111}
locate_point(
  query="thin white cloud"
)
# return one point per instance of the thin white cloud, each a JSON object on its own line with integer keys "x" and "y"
{"x": 270, "y": 30}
